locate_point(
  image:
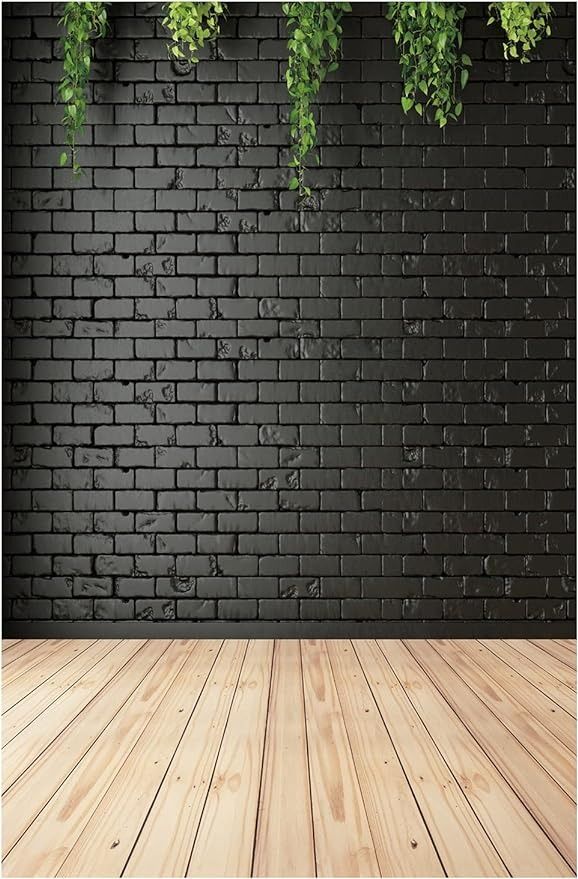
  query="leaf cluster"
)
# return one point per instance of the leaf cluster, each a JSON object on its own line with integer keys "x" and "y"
{"x": 191, "y": 25}
{"x": 314, "y": 47}
{"x": 429, "y": 37}
{"x": 524, "y": 25}
{"x": 82, "y": 23}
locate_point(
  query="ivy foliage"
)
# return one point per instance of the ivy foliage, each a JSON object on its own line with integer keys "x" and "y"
{"x": 82, "y": 23}
{"x": 191, "y": 25}
{"x": 314, "y": 46}
{"x": 429, "y": 37}
{"x": 524, "y": 25}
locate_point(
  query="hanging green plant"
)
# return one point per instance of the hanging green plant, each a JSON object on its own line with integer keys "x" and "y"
{"x": 82, "y": 23}
{"x": 524, "y": 25}
{"x": 433, "y": 67}
{"x": 314, "y": 49}
{"x": 191, "y": 25}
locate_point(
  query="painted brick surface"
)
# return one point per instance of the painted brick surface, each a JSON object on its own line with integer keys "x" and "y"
{"x": 220, "y": 407}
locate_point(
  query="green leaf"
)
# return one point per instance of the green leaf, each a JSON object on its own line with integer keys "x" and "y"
{"x": 63, "y": 159}
{"x": 407, "y": 104}
{"x": 313, "y": 52}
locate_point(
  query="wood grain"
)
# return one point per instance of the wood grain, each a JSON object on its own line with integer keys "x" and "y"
{"x": 225, "y": 838}
{"x": 108, "y": 837}
{"x": 20, "y": 649}
{"x": 545, "y": 660}
{"x": 285, "y": 786}
{"x": 559, "y": 693}
{"x": 23, "y": 713}
{"x": 343, "y": 842}
{"x": 82, "y": 702}
{"x": 48, "y": 839}
{"x": 553, "y": 809}
{"x": 555, "y": 757}
{"x": 166, "y": 839}
{"x": 289, "y": 758}
{"x": 30, "y": 660}
{"x": 547, "y": 712}
{"x": 402, "y": 843}
{"x": 559, "y": 652}
{"x": 17, "y": 689}
{"x": 36, "y": 782}
{"x": 518, "y": 838}
{"x": 461, "y": 841}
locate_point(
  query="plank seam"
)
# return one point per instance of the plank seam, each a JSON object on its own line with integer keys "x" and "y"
{"x": 435, "y": 744}
{"x": 55, "y": 672}
{"x": 510, "y": 695}
{"x": 165, "y": 696}
{"x": 274, "y": 650}
{"x": 515, "y": 735}
{"x": 550, "y": 695}
{"x": 72, "y": 720}
{"x": 489, "y": 756}
{"x": 308, "y": 757}
{"x": 6, "y": 853}
{"x": 399, "y": 760}
{"x": 218, "y": 751}
{"x": 538, "y": 643}
{"x": 359, "y": 785}
{"x": 57, "y": 696}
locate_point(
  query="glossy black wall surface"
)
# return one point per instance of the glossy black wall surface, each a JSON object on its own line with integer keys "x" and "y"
{"x": 220, "y": 409}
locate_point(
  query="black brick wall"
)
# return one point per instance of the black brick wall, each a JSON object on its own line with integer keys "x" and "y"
{"x": 223, "y": 409}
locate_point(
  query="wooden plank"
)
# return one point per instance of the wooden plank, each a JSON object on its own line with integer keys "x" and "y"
{"x": 107, "y": 839}
{"x": 21, "y": 649}
{"x": 402, "y": 843}
{"x": 555, "y": 757}
{"x": 7, "y": 643}
{"x": 551, "y": 807}
{"x": 21, "y": 751}
{"x": 558, "y": 670}
{"x": 560, "y": 653}
{"x": 225, "y": 838}
{"x": 285, "y": 781}
{"x": 461, "y": 842}
{"x": 568, "y": 643}
{"x": 24, "y": 684}
{"x": 519, "y": 840}
{"x": 550, "y": 715}
{"x": 343, "y": 843}
{"x": 30, "y": 659}
{"x": 551, "y": 687}
{"x": 18, "y": 717}
{"x": 33, "y": 789}
{"x": 166, "y": 840}
{"x": 46, "y": 842}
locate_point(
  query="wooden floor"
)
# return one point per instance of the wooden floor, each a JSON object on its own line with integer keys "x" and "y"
{"x": 289, "y": 758}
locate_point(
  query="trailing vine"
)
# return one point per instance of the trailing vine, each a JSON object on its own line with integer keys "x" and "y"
{"x": 191, "y": 25}
{"x": 83, "y": 23}
{"x": 314, "y": 46}
{"x": 429, "y": 36}
{"x": 524, "y": 25}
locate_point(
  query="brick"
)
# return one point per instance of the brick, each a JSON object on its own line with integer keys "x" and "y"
{"x": 221, "y": 408}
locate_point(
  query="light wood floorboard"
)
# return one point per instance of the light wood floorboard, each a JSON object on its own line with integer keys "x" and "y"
{"x": 546, "y": 661}
{"x": 558, "y": 692}
{"x": 558, "y": 651}
{"x": 289, "y": 758}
